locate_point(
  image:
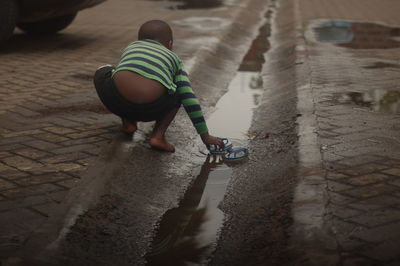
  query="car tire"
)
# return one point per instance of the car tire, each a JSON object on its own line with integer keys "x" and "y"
{"x": 8, "y": 18}
{"x": 47, "y": 26}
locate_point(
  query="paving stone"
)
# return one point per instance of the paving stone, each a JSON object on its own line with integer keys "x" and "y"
{"x": 42, "y": 179}
{"x": 345, "y": 212}
{"x": 386, "y": 251}
{"x": 13, "y": 174}
{"x": 363, "y": 169}
{"x": 11, "y": 147}
{"x": 42, "y": 145}
{"x": 69, "y": 183}
{"x": 54, "y": 168}
{"x": 21, "y": 133}
{"x": 392, "y": 171}
{"x": 30, "y": 201}
{"x": 21, "y": 192}
{"x": 12, "y": 224}
{"x": 60, "y": 130}
{"x": 69, "y": 157}
{"x": 4, "y": 167}
{"x": 367, "y": 179}
{"x": 374, "y": 203}
{"x": 4, "y": 184}
{"x": 87, "y": 161}
{"x": 391, "y": 162}
{"x": 16, "y": 140}
{"x": 31, "y": 153}
{"x": 378, "y": 217}
{"x": 370, "y": 191}
{"x": 4, "y": 154}
{"x": 339, "y": 199}
{"x": 336, "y": 186}
{"x": 46, "y": 209}
{"x": 21, "y": 163}
{"x": 75, "y": 148}
{"x": 363, "y": 159}
{"x": 330, "y": 156}
{"x": 51, "y": 137}
{"x": 395, "y": 182}
{"x": 336, "y": 176}
{"x": 85, "y": 134}
{"x": 57, "y": 196}
{"x": 362, "y": 150}
{"x": 83, "y": 140}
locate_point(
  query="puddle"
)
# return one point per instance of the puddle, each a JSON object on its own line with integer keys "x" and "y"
{"x": 378, "y": 100}
{"x": 203, "y": 24}
{"x": 243, "y": 96}
{"x": 187, "y": 234}
{"x": 357, "y": 35}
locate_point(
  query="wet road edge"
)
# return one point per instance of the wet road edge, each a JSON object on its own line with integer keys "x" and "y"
{"x": 311, "y": 238}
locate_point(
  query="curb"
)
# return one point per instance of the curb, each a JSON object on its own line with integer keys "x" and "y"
{"x": 311, "y": 238}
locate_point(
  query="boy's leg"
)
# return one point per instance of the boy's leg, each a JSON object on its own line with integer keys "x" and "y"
{"x": 128, "y": 126}
{"x": 157, "y": 139}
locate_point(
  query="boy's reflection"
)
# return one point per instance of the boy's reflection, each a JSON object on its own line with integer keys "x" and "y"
{"x": 176, "y": 242}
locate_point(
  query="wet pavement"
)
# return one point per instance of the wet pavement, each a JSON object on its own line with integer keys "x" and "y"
{"x": 345, "y": 208}
{"x": 316, "y": 101}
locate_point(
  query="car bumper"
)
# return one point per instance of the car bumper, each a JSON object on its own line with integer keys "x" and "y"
{"x": 31, "y": 11}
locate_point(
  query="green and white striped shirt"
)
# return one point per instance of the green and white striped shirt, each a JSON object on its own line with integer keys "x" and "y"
{"x": 152, "y": 60}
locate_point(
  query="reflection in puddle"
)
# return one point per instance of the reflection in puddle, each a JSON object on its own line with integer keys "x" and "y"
{"x": 234, "y": 111}
{"x": 378, "y": 100}
{"x": 187, "y": 233}
{"x": 358, "y": 35}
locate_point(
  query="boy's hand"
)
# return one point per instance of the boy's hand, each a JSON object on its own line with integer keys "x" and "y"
{"x": 209, "y": 140}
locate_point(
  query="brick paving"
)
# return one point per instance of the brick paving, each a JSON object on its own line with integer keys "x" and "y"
{"x": 360, "y": 147}
{"x": 52, "y": 124}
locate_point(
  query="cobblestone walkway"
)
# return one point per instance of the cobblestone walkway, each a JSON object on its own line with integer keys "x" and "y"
{"x": 359, "y": 143}
{"x": 52, "y": 123}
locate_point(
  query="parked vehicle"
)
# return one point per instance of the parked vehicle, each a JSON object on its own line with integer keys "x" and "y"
{"x": 39, "y": 16}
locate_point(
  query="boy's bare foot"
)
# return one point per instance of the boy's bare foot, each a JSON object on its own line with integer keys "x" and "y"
{"x": 128, "y": 127}
{"x": 161, "y": 144}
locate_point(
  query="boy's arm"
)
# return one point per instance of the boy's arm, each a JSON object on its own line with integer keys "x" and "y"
{"x": 190, "y": 102}
{"x": 193, "y": 108}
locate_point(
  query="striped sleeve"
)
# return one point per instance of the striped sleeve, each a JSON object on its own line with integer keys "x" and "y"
{"x": 190, "y": 101}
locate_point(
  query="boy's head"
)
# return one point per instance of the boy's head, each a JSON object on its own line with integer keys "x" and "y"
{"x": 156, "y": 30}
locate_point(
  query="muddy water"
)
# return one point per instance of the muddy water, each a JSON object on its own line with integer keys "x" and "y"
{"x": 357, "y": 35}
{"x": 188, "y": 233}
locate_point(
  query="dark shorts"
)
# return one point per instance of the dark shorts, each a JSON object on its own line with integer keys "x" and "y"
{"x": 118, "y": 105}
